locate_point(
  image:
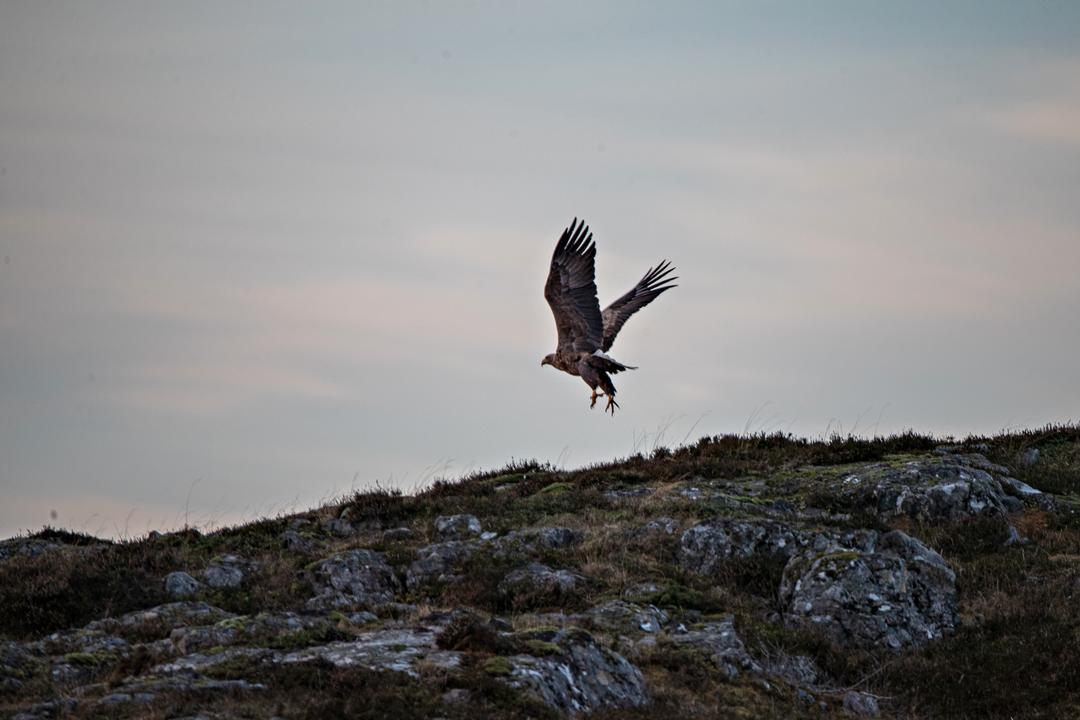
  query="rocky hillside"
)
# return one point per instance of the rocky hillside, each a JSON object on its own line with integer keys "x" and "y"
{"x": 741, "y": 577}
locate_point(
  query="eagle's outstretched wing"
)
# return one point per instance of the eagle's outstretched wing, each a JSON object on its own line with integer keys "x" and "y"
{"x": 571, "y": 290}
{"x": 648, "y": 288}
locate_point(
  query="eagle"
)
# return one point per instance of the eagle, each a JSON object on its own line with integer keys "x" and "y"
{"x": 586, "y": 333}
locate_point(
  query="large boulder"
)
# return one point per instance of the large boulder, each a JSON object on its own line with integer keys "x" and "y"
{"x": 582, "y": 677}
{"x": 457, "y": 527}
{"x": 536, "y": 584}
{"x": 354, "y": 577}
{"x": 721, "y": 642}
{"x": 705, "y": 547}
{"x": 437, "y": 563}
{"x": 897, "y": 594}
{"x": 944, "y": 488}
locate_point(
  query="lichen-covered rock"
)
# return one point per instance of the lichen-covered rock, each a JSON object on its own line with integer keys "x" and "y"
{"x": 720, "y": 640}
{"x": 436, "y": 563}
{"x": 660, "y": 526}
{"x": 537, "y": 584}
{"x": 584, "y": 677}
{"x": 398, "y": 534}
{"x": 338, "y": 527}
{"x": 861, "y": 704}
{"x": 898, "y": 594}
{"x": 706, "y": 546}
{"x": 530, "y": 541}
{"x": 396, "y": 649}
{"x": 354, "y": 577}
{"x": 457, "y": 527}
{"x": 226, "y": 572}
{"x": 180, "y": 585}
{"x": 168, "y": 616}
{"x": 626, "y": 618}
{"x": 945, "y": 488}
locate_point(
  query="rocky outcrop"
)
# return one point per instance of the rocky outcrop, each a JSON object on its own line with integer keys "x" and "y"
{"x": 899, "y": 594}
{"x": 457, "y": 527}
{"x": 580, "y": 677}
{"x": 949, "y": 487}
{"x": 351, "y": 578}
{"x": 862, "y": 588}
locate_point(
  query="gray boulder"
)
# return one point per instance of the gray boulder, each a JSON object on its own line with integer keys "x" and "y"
{"x": 457, "y": 527}
{"x": 354, "y": 577}
{"x": 226, "y": 572}
{"x": 898, "y": 594}
{"x": 706, "y": 546}
{"x": 532, "y": 540}
{"x": 584, "y": 678}
{"x": 538, "y": 584}
{"x": 436, "y": 563}
{"x": 861, "y": 704}
{"x": 723, "y": 644}
{"x": 179, "y": 585}
{"x": 948, "y": 487}
{"x": 626, "y": 618}
{"x": 396, "y": 649}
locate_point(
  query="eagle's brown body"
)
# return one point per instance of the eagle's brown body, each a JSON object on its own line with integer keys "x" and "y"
{"x": 585, "y": 334}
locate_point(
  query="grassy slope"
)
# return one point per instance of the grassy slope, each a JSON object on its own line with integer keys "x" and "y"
{"x": 1018, "y": 654}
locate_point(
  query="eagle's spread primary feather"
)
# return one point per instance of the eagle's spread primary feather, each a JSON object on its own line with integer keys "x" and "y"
{"x": 585, "y": 333}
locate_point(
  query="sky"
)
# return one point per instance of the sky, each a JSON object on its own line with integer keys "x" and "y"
{"x": 255, "y": 256}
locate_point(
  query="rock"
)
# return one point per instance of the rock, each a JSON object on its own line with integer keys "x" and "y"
{"x": 198, "y": 662}
{"x": 296, "y": 542}
{"x": 661, "y": 526}
{"x": 181, "y": 585}
{"x": 456, "y": 696}
{"x": 435, "y": 563}
{"x": 584, "y": 678}
{"x": 537, "y": 584}
{"x": 704, "y": 547}
{"x": 398, "y": 649}
{"x": 532, "y": 540}
{"x": 897, "y": 595}
{"x": 457, "y": 527}
{"x": 397, "y": 534}
{"x": 354, "y": 577}
{"x": 721, "y": 641}
{"x": 166, "y": 617}
{"x": 226, "y": 572}
{"x": 1028, "y": 494}
{"x": 795, "y": 669}
{"x": 626, "y": 618}
{"x": 337, "y": 527}
{"x": 861, "y": 704}
{"x": 945, "y": 488}
{"x": 624, "y": 493}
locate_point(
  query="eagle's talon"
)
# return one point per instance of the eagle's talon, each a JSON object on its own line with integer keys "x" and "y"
{"x": 611, "y": 405}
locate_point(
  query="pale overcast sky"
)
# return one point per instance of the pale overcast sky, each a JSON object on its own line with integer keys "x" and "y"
{"x": 257, "y": 254}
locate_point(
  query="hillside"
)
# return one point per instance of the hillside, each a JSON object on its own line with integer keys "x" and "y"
{"x": 743, "y": 577}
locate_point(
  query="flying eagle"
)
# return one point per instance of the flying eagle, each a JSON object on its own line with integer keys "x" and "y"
{"x": 585, "y": 333}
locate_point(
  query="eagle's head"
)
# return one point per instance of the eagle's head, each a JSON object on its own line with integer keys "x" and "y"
{"x": 549, "y": 359}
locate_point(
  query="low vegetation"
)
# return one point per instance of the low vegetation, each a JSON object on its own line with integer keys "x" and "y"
{"x": 1016, "y": 653}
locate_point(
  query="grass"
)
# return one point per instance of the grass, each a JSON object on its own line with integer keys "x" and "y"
{"x": 1017, "y": 654}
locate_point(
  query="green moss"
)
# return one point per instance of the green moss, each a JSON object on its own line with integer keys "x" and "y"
{"x": 498, "y": 666}
{"x": 542, "y": 648}
{"x": 89, "y": 659}
{"x": 555, "y": 488}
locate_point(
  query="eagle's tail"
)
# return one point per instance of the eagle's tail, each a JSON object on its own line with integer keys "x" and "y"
{"x": 602, "y": 361}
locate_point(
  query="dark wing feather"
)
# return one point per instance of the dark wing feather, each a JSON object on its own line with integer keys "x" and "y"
{"x": 656, "y": 281}
{"x": 571, "y": 290}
